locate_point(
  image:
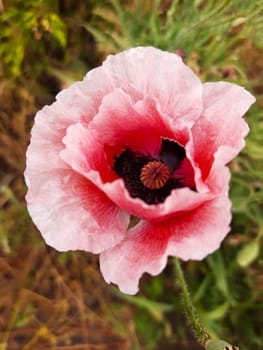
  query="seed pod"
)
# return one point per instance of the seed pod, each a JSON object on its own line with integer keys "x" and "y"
{"x": 154, "y": 175}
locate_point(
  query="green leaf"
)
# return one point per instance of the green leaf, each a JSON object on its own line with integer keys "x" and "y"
{"x": 156, "y": 309}
{"x": 218, "y": 313}
{"x": 57, "y": 29}
{"x": 217, "y": 266}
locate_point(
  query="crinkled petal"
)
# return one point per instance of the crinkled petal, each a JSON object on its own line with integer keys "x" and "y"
{"x": 162, "y": 76}
{"x": 78, "y": 103}
{"x": 200, "y": 232}
{"x": 143, "y": 250}
{"x": 83, "y": 153}
{"x": 218, "y": 179}
{"x": 180, "y": 200}
{"x": 136, "y": 125}
{"x": 71, "y": 213}
{"x": 60, "y": 201}
{"x": 146, "y": 247}
{"x": 221, "y": 124}
{"x": 82, "y": 99}
{"x": 46, "y": 140}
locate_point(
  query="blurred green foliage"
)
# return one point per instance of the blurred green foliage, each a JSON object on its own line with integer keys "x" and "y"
{"x": 208, "y": 28}
{"x": 44, "y": 43}
{"x": 29, "y": 28}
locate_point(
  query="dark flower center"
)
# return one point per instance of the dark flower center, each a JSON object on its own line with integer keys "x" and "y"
{"x": 151, "y": 179}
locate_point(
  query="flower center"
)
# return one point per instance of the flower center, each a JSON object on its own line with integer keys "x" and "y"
{"x": 151, "y": 178}
{"x": 154, "y": 175}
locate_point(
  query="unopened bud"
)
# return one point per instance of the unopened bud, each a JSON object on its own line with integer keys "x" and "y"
{"x": 220, "y": 345}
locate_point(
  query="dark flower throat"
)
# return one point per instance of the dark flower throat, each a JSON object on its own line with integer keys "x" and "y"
{"x": 149, "y": 178}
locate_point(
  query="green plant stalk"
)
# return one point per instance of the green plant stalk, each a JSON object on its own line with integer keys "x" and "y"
{"x": 199, "y": 330}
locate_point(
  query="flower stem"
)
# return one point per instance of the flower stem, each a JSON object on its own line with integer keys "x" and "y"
{"x": 199, "y": 330}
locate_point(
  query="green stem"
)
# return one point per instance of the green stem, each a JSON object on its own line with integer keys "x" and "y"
{"x": 200, "y": 332}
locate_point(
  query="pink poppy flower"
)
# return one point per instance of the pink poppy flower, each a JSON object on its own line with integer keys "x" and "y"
{"x": 141, "y": 137}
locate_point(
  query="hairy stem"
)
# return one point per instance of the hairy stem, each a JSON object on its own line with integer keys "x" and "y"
{"x": 199, "y": 330}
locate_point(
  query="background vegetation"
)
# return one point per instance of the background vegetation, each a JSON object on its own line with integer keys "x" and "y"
{"x": 50, "y": 300}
